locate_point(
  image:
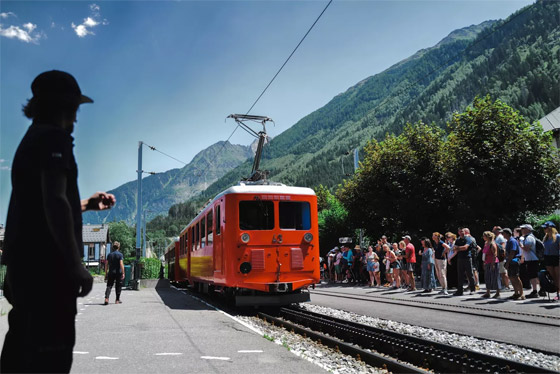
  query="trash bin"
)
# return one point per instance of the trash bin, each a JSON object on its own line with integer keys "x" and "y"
{"x": 127, "y": 275}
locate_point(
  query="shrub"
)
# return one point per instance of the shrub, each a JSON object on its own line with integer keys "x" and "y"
{"x": 149, "y": 268}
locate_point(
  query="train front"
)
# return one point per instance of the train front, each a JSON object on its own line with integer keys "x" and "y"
{"x": 276, "y": 244}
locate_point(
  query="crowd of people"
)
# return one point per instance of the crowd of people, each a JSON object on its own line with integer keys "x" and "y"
{"x": 507, "y": 259}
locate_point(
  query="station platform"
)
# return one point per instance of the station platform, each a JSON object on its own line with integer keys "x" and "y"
{"x": 532, "y": 323}
{"x": 163, "y": 330}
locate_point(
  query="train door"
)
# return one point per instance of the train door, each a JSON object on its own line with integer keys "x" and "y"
{"x": 218, "y": 238}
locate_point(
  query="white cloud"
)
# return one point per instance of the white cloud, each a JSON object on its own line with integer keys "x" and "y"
{"x": 26, "y": 34}
{"x": 81, "y": 30}
{"x": 6, "y": 15}
{"x": 30, "y": 27}
{"x": 90, "y": 22}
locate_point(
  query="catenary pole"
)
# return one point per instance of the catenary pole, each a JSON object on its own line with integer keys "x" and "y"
{"x": 138, "y": 213}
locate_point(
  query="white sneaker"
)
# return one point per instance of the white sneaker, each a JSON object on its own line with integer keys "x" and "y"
{"x": 445, "y": 292}
{"x": 345, "y": 281}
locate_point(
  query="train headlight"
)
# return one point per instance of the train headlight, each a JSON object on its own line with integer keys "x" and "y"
{"x": 308, "y": 237}
{"x": 245, "y": 238}
{"x": 245, "y": 267}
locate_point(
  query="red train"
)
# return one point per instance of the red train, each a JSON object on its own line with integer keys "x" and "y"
{"x": 255, "y": 242}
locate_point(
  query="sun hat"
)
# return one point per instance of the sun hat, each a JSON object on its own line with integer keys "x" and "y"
{"x": 548, "y": 224}
{"x": 56, "y": 85}
{"x": 526, "y": 226}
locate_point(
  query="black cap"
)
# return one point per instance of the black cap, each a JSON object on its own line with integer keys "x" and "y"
{"x": 57, "y": 85}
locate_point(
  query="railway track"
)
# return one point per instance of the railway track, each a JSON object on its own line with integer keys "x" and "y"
{"x": 391, "y": 350}
{"x": 500, "y": 314}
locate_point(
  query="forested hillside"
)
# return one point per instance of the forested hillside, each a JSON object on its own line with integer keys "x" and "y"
{"x": 514, "y": 60}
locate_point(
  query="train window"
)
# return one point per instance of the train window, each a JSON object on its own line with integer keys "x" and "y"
{"x": 295, "y": 215}
{"x": 192, "y": 239}
{"x": 203, "y": 232}
{"x": 209, "y": 236}
{"x": 218, "y": 220}
{"x": 256, "y": 215}
{"x": 196, "y": 236}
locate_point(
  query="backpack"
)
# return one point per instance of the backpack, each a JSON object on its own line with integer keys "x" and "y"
{"x": 539, "y": 249}
{"x": 473, "y": 247}
{"x": 546, "y": 281}
{"x": 501, "y": 253}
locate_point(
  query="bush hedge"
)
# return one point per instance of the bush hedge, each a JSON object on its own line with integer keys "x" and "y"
{"x": 150, "y": 268}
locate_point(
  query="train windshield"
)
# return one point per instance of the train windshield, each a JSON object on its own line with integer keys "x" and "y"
{"x": 295, "y": 215}
{"x": 256, "y": 215}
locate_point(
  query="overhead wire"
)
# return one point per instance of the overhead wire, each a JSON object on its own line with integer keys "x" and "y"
{"x": 417, "y": 81}
{"x": 269, "y": 83}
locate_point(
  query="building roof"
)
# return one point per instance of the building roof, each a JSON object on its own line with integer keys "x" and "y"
{"x": 95, "y": 233}
{"x": 551, "y": 121}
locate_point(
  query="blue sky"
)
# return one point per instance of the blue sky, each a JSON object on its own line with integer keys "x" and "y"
{"x": 169, "y": 72}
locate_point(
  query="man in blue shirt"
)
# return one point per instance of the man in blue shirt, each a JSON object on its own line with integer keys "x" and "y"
{"x": 513, "y": 255}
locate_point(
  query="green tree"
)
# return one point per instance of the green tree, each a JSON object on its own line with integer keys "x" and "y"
{"x": 502, "y": 166}
{"x": 124, "y": 234}
{"x": 401, "y": 183}
{"x": 333, "y": 220}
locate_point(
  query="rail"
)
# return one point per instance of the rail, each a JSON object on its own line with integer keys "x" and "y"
{"x": 422, "y": 353}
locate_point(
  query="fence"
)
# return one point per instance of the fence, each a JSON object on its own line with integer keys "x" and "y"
{"x": 2, "y": 277}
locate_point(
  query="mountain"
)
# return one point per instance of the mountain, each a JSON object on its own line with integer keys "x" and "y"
{"x": 162, "y": 190}
{"x": 515, "y": 60}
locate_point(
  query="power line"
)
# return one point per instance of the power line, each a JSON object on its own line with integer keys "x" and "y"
{"x": 290, "y": 56}
{"x": 165, "y": 154}
{"x": 272, "y": 80}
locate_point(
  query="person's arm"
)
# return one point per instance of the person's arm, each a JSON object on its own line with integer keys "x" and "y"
{"x": 122, "y": 269}
{"x": 98, "y": 201}
{"x": 106, "y": 265}
{"x": 58, "y": 213}
{"x": 446, "y": 250}
{"x": 494, "y": 248}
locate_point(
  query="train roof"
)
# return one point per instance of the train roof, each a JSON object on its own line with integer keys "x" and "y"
{"x": 258, "y": 187}
{"x": 276, "y": 188}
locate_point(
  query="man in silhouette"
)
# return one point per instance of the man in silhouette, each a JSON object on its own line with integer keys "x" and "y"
{"x": 43, "y": 241}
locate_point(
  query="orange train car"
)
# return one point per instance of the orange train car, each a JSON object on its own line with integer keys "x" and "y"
{"x": 256, "y": 242}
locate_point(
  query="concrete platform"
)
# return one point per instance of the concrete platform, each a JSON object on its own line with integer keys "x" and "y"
{"x": 448, "y": 312}
{"x": 162, "y": 330}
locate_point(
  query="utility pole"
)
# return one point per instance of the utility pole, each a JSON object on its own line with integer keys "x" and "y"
{"x": 138, "y": 217}
{"x": 356, "y": 165}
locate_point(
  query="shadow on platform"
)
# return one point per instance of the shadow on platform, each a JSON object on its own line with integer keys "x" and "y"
{"x": 175, "y": 299}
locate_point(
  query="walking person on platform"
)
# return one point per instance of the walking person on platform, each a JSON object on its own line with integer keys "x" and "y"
{"x": 114, "y": 272}
{"x": 45, "y": 202}
{"x": 491, "y": 264}
{"x": 464, "y": 264}
{"x": 513, "y": 253}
